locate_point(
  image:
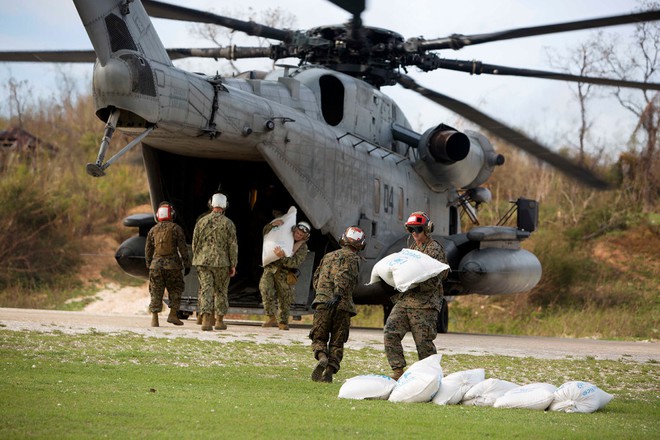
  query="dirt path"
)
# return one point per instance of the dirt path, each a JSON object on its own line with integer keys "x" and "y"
{"x": 137, "y": 321}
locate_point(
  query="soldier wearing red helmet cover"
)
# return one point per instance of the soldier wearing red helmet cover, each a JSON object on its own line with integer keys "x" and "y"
{"x": 166, "y": 254}
{"x": 416, "y": 310}
{"x": 334, "y": 282}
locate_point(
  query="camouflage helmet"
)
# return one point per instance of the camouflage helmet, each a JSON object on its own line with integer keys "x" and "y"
{"x": 353, "y": 237}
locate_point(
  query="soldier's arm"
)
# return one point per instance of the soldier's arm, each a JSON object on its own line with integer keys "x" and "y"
{"x": 181, "y": 246}
{"x": 295, "y": 260}
{"x": 149, "y": 248}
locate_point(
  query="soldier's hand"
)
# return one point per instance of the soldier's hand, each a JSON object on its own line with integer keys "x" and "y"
{"x": 332, "y": 303}
{"x": 279, "y": 251}
{"x": 186, "y": 271}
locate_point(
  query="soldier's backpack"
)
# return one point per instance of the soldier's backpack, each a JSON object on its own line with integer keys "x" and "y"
{"x": 163, "y": 241}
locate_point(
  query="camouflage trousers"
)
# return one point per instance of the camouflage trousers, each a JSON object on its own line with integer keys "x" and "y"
{"x": 213, "y": 288}
{"x": 161, "y": 279}
{"x": 329, "y": 333}
{"x": 276, "y": 294}
{"x": 422, "y": 323}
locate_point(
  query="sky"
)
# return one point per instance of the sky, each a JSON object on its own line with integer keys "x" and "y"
{"x": 540, "y": 107}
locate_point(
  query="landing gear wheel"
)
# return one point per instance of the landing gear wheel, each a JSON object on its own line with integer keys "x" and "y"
{"x": 182, "y": 314}
{"x": 443, "y": 317}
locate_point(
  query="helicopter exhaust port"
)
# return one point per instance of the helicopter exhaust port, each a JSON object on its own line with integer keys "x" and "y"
{"x": 450, "y": 159}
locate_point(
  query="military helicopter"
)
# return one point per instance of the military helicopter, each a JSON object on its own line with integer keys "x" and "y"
{"x": 320, "y": 136}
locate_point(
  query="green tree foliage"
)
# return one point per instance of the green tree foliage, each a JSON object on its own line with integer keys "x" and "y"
{"x": 34, "y": 231}
{"x": 50, "y": 210}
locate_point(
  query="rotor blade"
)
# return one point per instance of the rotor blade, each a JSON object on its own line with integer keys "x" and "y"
{"x": 173, "y": 12}
{"x": 229, "y": 53}
{"x": 477, "y": 68}
{"x": 52, "y": 56}
{"x": 508, "y": 134}
{"x": 89, "y": 56}
{"x": 355, "y": 7}
{"x": 457, "y": 41}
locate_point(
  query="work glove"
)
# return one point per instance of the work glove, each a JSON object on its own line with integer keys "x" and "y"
{"x": 186, "y": 271}
{"x": 332, "y": 303}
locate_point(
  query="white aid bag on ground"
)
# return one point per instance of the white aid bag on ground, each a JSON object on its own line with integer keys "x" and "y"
{"x": 486, "y": 392}
{"x": 279, "y": 236}
{"x": 455, "y": 385}
{"x": 531, "y": 396}
{"x": 579, "y": 397}
{"x": 368, "y": 386}
{"x": 420, "y": 382}
{"x": 405, "y": 269}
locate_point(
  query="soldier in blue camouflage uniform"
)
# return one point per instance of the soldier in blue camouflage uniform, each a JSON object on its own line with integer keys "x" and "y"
{"x": 279, "y": 277}
{"x": 416, "y": 310}
{"x": 166, "y": 255}
{"x": 334, "y": 282}
{"x": 215, "y": 255}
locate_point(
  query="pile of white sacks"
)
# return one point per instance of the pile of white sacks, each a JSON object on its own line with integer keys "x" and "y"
{"x": 424, "y": 382}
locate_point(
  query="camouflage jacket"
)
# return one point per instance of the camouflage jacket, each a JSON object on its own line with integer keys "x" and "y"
{"x": 337, "y": 274}
{"x": 425, "y": 295}
{"x": 286, "y": 263}
{"x": 178, "y": 259}
{"x": 214, "y": 241}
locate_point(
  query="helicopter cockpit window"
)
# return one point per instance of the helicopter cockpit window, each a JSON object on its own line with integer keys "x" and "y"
{"x": 332, "y": 99}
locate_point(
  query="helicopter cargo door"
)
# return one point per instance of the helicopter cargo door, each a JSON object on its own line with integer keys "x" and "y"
{"x": 303, "y": 294}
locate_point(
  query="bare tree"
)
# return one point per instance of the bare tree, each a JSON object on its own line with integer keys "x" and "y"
{"x": 583, "y": 61}
{"x": 273, "y": 17}
{"x": 640, "y": 61}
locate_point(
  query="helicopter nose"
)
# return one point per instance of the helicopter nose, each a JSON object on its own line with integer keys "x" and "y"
{"x": 115, "y": 76}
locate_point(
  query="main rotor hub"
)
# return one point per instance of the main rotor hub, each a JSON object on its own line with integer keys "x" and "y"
{"x": 374, "y": 55}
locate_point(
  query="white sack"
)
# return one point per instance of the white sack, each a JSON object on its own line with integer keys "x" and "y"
{"x": 369, "y": 386}
{"x": 455, "y": 385}
{"x": 405, "y": 269}
{"x": 579, "y": 397}
{"x": 486, "y": 392}
{"x": 420, "y": 382}
{"x": 531, "y": 396}
{"x": 279, "y": 236}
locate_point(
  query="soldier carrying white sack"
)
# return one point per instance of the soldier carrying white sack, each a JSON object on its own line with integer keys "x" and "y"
{"x": 416, "y": 310}
{"x": 279, "y": 277}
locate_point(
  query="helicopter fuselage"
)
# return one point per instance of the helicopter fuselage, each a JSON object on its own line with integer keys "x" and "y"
{"x": 333, "y": 145}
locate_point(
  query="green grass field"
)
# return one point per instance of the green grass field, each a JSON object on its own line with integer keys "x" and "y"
{"x": 97, "y": 385}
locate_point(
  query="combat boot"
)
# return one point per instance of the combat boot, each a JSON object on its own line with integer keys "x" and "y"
{"x": 199, "y": 318}
{"x": 283, "y": 326}
{"x": 219, "y": 323}
{"x": 270, "y": 322}
{"x": 327, "y": 374}
{"x": 173, "y": 319}
{"x": 396, "y": 373}
{"x": 317, "y": 374}
{"x": 154, "y": 319}
{"x": 206, "y": 322}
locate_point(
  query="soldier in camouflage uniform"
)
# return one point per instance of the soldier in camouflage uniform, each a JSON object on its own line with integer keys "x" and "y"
{"x": 166, "y": 254}
{"x": 416, "y": 310}
{"x": 215, "y": 255}
{"x": 334, "y": 282}
{"x": 279, "y": 277}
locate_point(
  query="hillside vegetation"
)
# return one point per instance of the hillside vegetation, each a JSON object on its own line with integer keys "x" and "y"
{"x": 598, "y": 249}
